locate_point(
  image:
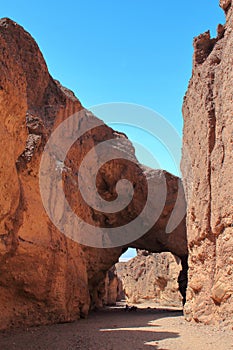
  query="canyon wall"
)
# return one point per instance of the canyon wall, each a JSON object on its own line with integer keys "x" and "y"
{"x": 208, "y": 137}
{"x": 151, "y": 278}
{"x": 45, "y": 276}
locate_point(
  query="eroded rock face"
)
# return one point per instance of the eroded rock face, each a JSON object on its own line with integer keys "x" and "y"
{"x": 151, "y": 277}
{"x": 113, "y": 288}
{"x": 225, "y": 4}
{"x": 208, "y": 135}
{"x": 45, "y": 276}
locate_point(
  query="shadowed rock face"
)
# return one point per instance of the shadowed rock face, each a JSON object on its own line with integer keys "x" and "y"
{"x": 208, "y": 130}
{"x": 44, "y": 276}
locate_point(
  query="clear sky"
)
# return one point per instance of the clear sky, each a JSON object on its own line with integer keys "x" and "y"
{"x": 136, "y": 51}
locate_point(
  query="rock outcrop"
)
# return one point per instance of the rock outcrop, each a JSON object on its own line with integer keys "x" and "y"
{"x": 151, "y": 277}
{"x": 113, "y": 288}
{"x": 208, "y": 136}
{"x": 44, "y": 275}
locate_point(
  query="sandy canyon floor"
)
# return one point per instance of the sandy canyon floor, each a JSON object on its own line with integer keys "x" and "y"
{"x": 115, "y": 329}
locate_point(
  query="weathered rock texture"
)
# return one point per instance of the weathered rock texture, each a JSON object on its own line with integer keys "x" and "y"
{"x": 44, "y": 276}
{"x": 208, "y": 137}
{"x": 113, "y": 287}
{"x": 151, "y": 277}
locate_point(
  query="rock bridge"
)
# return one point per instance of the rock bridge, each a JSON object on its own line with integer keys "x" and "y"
{"x": 46, "y": 276}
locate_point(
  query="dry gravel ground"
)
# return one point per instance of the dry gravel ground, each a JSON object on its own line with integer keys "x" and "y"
{"x": 115, "y": 329}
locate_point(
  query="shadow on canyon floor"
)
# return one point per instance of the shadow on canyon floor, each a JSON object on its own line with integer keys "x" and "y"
{"x": 109, "y": 329}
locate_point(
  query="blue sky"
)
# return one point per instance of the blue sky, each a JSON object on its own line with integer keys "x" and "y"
{"x": 120, "y": 51}
{"x": 126, "y": 50}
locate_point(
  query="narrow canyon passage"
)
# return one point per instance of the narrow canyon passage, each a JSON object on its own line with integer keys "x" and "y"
{"x": 116, "y": 329}
{"x": 75, "y": 195}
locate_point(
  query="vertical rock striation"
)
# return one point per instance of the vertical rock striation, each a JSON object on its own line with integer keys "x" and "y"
{"x": 208, "y": 139}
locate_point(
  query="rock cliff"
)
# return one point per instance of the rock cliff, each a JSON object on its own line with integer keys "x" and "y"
{"x": 208, "y": 136}
{"x": 113, "y": 288}
{"x": 151, "y": 277}
{"x": 45, "y": 276}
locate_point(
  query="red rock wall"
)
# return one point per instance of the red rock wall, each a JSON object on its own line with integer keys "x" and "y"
{"x": 44, "y": 276}
{"x": 208, "y": 137}
{"x": 113, "y": 288}
{"x": 151, "y": 278}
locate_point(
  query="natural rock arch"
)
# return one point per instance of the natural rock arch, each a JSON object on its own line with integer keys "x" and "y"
{"x": 44, "y": 276}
